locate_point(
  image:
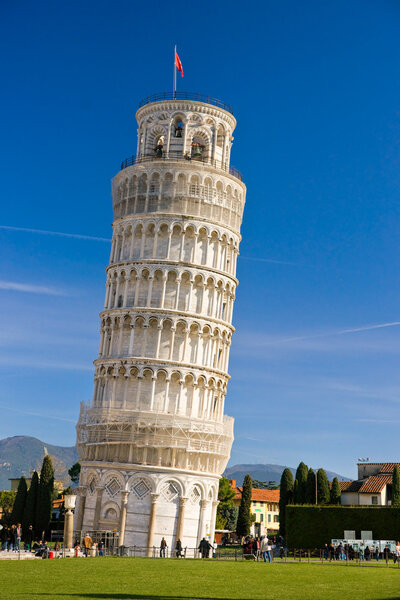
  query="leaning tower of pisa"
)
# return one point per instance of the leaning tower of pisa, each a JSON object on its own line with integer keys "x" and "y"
{"x": 154, "y": 440}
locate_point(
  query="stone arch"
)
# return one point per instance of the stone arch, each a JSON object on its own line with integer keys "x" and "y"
{"x": 110, "y": 514}
{"x": 161, "y": 488}
{"x": 109, "y": 476}
{"x": 159, "y": 391}
{"x": 181, "y": 184}
{"x": 165, "y": 342}
{"x": 176, "y": 241}
{"x": 171, "y": 289}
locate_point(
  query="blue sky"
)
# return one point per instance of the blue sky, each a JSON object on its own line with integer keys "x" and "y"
{"x": 315, "y": 87}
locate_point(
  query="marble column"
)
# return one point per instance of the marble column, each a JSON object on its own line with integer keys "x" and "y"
{"x": 152, "y": 522}
{"x": 80, "y": 513}
{"x": 213, "y": 517}
{"x": 201, "y": 529}
{"x": 181, "y": 518}
{"x": 122, "y": 519}
{"x": 97, "y": 510}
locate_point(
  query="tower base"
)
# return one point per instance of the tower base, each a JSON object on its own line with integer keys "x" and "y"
{"x": 146, "y": 503}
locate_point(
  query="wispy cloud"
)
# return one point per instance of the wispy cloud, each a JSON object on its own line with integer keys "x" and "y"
{"x": 31, "y": 413}
{"x": 338, "y": 332}
{"x": 9, "y": 361}
{"x": 76, "y": 236}
{"x": 271, "y": 260}
{"x": 254, "y": 341}
{"x": 30, "y": 288}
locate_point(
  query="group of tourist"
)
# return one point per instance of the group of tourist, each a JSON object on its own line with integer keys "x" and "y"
{"x": 262, "y": 547}
{"x": 12, "y": 536}
{"x": 367, "y": 553}
{"x": 204, "y": 548}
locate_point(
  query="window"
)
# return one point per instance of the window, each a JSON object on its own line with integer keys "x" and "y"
{"x": 261, "y": 518}
{"x": 276, "y": 519}
{"x": 374, "y": 500}
{"x": 269, "y": 518}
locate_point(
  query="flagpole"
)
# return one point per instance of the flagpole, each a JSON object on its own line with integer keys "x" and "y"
{"x": 175, "y": 71}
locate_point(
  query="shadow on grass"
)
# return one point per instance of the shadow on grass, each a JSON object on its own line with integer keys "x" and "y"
{"x": 106, "y": 596}
{"x": 153, "y": 597}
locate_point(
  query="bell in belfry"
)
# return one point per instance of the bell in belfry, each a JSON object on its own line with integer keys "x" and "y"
{"x": 196, "y": 151}
{"x": 160, "y": 145}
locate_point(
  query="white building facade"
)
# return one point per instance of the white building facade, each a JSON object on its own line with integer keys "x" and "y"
{"x": 154, "y": 440}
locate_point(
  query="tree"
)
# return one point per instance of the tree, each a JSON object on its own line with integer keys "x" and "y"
{"x": 6, "y": 503}
{"x": 396, "y": 486}
{"x": 286, "y": 497}
{"x": 335, "y": 491}
{"x": 244, "y": 516}
{"x": 226, "y": 495}
{"x": 74, "y": 472}
{"x": 310, "y": 487}
{"x": 20, "y": 501}
{"x": 324, "y": 495}
{"x": 29, "y": 516}
{"x": 264, "y": 485}
{"x": 45, "y": 495}
{"x": 300, "y": 484}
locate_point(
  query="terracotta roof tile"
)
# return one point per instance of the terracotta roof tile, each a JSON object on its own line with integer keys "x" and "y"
{"x": 388, "y": 467}
{"x": 258, "y": 495}
{"x": 375, "y": 483}
{"x": 350, "y": 486}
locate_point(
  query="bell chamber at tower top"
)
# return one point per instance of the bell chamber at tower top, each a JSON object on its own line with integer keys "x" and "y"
{"x": 182, "y": 164}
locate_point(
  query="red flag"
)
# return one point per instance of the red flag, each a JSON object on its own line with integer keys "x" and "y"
{"x": 178, "y": 63}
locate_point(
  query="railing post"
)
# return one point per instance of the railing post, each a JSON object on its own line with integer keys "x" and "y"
{"x": 308, "y": 557}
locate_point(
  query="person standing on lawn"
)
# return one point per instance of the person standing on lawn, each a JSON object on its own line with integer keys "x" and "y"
{"x": 87, "y": 544}
{"x": 28, "y": 538}
{"x": 205, "y": 548}
{"x": 178, "y": 548}
{"x": 163, "y": 547}
{"x": 266, "y": 549}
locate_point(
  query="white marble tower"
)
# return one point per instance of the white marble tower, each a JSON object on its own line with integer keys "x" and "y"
{"x": 154, "y": 440}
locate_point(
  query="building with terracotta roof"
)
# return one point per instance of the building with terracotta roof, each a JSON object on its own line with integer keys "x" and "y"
{"x": 373, "y": 486}
{"x": 265, "y": 505}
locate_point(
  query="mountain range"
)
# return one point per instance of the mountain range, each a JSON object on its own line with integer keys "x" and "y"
{"x": 266, "y": 473}
{"x": 20, "y": 455}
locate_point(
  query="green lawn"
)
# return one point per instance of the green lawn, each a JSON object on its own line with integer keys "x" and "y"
{"x": 149, "y": 579}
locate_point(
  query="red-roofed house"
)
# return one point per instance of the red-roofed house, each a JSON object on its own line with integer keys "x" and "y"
{"x": 265, "y": 505}
{"x": 373, "y": 486}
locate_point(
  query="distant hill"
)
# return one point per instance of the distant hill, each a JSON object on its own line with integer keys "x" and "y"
{"x": 266, "y": 473}
{"x": 20, "y": 455}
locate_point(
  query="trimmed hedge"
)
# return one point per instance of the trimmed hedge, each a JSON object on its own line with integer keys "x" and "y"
{"x": 310, "y": 526}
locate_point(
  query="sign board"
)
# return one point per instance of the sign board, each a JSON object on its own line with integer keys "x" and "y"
{"x": 349, "y": 534}
{"x": 366, "y": 535}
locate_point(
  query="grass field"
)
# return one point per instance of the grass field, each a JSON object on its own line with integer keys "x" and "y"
{"x": 147, "y": 579}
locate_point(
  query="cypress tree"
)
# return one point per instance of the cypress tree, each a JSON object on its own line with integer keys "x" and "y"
{"x": 335, "y": 491}
{"x": 45, "y": 494}
{"x": 396, "y": 486}
{"x": 324, "y": 494}
{"x": 310, "y": 487}
{"x": 29, "y": 517}
{"x": 286, "y": 497}
{"x": 19, "y": 503}
{"x": 300, "y": 484}
{"x": 244, "y": 516}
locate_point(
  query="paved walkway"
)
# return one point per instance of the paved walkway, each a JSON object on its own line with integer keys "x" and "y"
{"x": 16, "y": 555}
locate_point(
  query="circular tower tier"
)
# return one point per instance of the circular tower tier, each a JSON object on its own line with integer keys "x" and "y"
{"x": 154, "y": 440}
